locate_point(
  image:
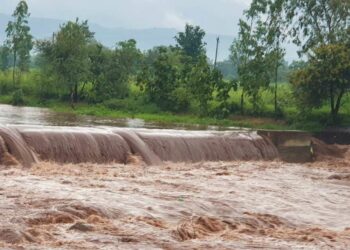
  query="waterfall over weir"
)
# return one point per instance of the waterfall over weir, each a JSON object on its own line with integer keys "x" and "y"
{"x": 29, "y": 145}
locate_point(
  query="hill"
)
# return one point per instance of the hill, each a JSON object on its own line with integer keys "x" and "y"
{"x": 146, "y": 38}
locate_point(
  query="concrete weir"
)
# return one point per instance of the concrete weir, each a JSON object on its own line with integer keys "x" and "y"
{"x": 30, "y": 144}
{"x": 293, "y": 146}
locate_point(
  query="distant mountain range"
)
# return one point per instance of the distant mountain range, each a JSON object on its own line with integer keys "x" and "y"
{"x": 146, "y": 38}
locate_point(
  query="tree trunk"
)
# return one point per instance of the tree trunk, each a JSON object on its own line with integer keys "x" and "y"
{"x": 82, "y": 89}
{"x": 336, "y": 108}
{"x": 333, "y": 111}
{"x": 276, "y": 86}
{"x": 72, "y": 98}
{"x": 242, "y": 103}
{"x": 75, "y": 93}
{"x": 14, "y": 68}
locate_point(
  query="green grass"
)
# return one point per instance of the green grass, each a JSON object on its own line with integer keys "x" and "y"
{"x": 169, "y": 118}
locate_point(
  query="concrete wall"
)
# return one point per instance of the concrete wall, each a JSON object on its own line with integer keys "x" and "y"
{"x": 293, "y": 146}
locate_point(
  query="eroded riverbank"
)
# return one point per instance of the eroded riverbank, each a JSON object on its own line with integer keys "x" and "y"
{"x": 244, "y": 205}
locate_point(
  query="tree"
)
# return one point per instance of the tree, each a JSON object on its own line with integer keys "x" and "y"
{"x": 191, "y": 41}
{"x": 160, "y": 79}
{"x": 313, "y": 23}
{"x": 68, "y": 55}
{"x": 4, "y": 58}
{"x": 202, "y": 82}
{"x": 19, "y": 39}
{"x": 270, "y": 14}
{"x": 275, "y": 38}
{"x": 251, "y": 57}
{"x": 130, "y": 56}
{"x": 326, "y": 78}
{"x": 111, "y": 69}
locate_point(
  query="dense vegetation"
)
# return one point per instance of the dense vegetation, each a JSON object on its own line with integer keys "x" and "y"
{"x": 73, "y": 68}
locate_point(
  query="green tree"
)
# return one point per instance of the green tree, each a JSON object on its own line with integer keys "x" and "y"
{"x": 160, "y": 79}
{"x": 325, "y": 79}
{"x": 111, "y": 69}
{"x": 202, "y": 82}
{"x": 270, "y": 15}
{"x": 4, "y": 58}
{"x": 19, "y": 39}
{"x": 191, "y": 41}
{"x": 68, "y": 55}
{"x": 251, "y": 57}
{"x": 313, "y": 23}
{"x": 130, "y": 56}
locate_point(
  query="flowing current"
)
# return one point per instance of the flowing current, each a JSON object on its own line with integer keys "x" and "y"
{"x": 85, "y": 186}
{"x": 33, "y": 139}
{"x": 84, "y": 145}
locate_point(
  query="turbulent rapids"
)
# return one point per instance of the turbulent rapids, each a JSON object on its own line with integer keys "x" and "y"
{"x": 29, "y": 145}
{"x": 121, "y": 188}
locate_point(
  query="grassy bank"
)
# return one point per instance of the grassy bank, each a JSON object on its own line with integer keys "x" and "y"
{"x": 151, "y": 114}
{"x": 169, "y": 118}
{"x": 145, "y": 112}
{"x": 137, "y": 106}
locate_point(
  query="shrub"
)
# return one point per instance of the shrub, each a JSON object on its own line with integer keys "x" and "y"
{"x": 17, "y": 98}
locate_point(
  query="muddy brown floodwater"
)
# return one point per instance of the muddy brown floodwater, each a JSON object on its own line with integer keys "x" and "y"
{"x": 233, "y": 205}
{"x": 256, "y": 202}
{"x": 46, "y": 117}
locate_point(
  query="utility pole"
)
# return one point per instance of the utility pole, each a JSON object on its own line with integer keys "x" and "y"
{"x": 217, "y": 50}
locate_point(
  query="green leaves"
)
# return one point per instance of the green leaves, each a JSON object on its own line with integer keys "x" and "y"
{"x": 191, "y": 41}
{"x": 19, "y": 39}
{"x": 317, "y": 22}
{"x": 4, "y": 58}
{"x": 251, "y": 54}
{"x": 66, "y": 55}
{"x": 326, "y": 78}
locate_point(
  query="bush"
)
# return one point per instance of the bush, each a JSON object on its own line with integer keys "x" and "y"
{"x": 131, "y": 105}
{"x": 180, "y": 99}
{"x": 6, "y": 84}
{"x": 17, "y": 98}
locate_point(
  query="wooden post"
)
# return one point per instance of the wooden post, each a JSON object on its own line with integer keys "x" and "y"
{"x": 217, "y": 50}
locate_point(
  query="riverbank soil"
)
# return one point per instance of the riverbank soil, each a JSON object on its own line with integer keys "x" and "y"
{"x": 238, "y": 205}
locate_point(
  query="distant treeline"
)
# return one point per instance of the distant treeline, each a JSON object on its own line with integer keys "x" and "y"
{"x": 72, "y": 66}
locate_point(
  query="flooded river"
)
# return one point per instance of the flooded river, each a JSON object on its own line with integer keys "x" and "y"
{"x": 95, "y": 185}
{"x": 46, "y": 117}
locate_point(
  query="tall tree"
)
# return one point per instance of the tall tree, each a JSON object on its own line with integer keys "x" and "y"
{"x": 250, "y": 56}
{"x": 325, "y": 79}
{"x": 19, "y": 39}
{"x": 202, "y": 82}
{"x": 275, "y": 38}
{"x": 191, "y": 41}
{"x": 129, "y": 55}
{"x": 4, "y": 58}
{"x": 161, "y": 79}
{"x": 68, "y": 55}
{"x": 271, "y": 15}
{"x": 313, "y": 23}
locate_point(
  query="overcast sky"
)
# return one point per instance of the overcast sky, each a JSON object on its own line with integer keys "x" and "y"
{"x": 215, "y": 16}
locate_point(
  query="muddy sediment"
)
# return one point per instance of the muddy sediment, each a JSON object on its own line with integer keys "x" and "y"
{"x": 233, "y": 205}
